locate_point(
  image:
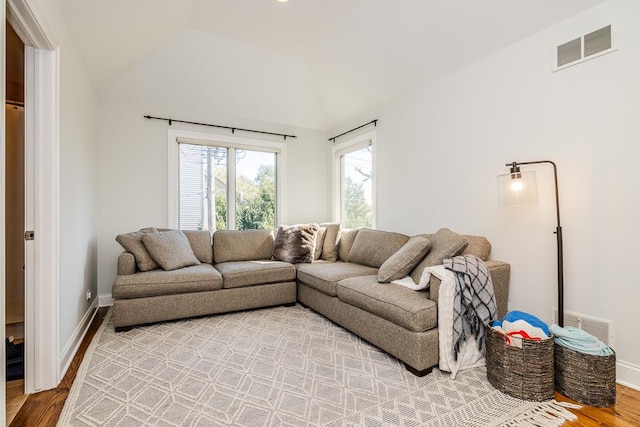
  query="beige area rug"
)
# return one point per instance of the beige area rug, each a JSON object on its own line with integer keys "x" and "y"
{"x": 285, "y": 366}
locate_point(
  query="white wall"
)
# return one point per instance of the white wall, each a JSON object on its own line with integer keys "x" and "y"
{"x": 78, "y": 177}
{"x": 441, "y": 148}
{"x": 134, "y": 168}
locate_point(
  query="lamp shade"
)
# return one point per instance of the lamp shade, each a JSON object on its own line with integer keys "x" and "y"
{"x": 517, "y": 189}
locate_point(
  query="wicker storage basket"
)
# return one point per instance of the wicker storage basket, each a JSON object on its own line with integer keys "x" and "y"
{"x": 524, "y": 372}
{"x": 586, "y": 378}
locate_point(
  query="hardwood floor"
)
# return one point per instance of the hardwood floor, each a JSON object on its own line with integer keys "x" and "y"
{"x": 625, "y": 413}
{"x": 15, "y": 398}
{"x": 43, "y": 409}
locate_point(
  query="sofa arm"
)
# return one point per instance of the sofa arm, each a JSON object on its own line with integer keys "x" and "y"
{"x": 126, "y": 264}
{"x": 500, "y": 273}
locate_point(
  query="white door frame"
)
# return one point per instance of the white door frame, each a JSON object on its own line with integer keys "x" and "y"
{"x": 2, "y": 212}
{"x": 42, "y": 142}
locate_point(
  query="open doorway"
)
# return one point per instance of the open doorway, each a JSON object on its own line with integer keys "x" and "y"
{"x": 41, "y": 150}
{"x": 14, "y": 221}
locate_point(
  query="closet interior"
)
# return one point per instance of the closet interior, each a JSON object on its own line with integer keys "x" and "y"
{"x": 14, "y": 207}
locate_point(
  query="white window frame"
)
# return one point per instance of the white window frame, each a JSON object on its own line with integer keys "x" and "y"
{"x": 337, "y": 151}
{"x": 176, "y": 137}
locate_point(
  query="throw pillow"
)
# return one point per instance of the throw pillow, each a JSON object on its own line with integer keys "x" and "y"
{"x": 401, "y": 263}
{"x": 131, "y": 242}
{"x": 444, "y": 244}
{"x": 295, "y": 243}
{"x": 347, "y": 237}
{"x": 322, "y": 232}
{"x": 170, "y": 249}
{"x": 331, "y": 241}
{"x": 478, "y": 246}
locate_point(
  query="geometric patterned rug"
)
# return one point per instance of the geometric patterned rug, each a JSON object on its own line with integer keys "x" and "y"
{"x": 283, "y": 366}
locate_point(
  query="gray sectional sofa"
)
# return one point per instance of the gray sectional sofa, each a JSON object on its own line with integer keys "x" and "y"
{"x": 235, "y": 272}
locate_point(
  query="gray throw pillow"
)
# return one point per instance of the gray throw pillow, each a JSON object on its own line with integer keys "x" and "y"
{"x": 322, "y": 232}
{"x": 401, "y": 263}
{"x": 478, "y": 246}
{"x": 170, "y": 249}
{"x": 131, "y": 242}
{"x": 347, "y": 237}
{"x": 331, "y": 241}
{"x": 444, "y": 244}
{"x": 295, "y": 243}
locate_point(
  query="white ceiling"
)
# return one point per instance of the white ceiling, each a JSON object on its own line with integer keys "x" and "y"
{"x": 308, "y": 63}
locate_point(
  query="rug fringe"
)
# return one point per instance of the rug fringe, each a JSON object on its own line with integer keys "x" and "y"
{"x": 546, "y": 414}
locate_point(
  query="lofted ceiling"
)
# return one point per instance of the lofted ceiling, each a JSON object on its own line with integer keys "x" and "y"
{"x": 307, "y": 63}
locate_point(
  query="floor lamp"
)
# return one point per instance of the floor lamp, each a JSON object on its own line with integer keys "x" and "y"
{"x": 519, "y": 188}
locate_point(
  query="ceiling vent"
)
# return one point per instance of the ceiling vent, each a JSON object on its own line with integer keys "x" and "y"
{"x": 583, "y": 48}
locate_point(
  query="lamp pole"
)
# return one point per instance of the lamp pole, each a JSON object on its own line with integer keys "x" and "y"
{"x": 558, "y": 234}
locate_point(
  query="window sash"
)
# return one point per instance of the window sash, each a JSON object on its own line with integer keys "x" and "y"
{"x": 339, "y": 151}
{"x": 232, "y": 143}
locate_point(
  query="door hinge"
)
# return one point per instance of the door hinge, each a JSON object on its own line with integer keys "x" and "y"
{"x": 29, "y": 235}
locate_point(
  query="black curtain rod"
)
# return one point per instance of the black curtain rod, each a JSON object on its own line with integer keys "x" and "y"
{"x": 375, "y": 123}
{"x": 233, "y": 129}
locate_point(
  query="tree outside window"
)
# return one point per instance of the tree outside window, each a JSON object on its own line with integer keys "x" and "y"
{"x": 205, "y": 194}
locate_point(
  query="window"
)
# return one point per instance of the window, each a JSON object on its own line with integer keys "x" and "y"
{"x": 354, "y": 182}
{"x": 224, "y": 183}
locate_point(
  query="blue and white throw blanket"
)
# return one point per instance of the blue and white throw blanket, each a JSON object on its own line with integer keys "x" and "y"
{"x": 474, "y": 303}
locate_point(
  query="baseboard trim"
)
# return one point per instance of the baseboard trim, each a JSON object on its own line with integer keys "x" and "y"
{"x": 628, "y": 374}
{"x": 70, "y": 349}
{"x": 106, "y": 300}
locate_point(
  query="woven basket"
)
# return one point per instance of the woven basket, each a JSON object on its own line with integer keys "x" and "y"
{"x": 526, "y": 373}
{"x": 586, "y": 378}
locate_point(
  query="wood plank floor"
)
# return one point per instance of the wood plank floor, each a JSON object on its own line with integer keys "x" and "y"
{"x": 43, "y": 409}
{"x": 15, "y": 399}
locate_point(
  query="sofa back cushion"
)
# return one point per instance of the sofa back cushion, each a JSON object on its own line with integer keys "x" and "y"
{"x": 242, "y": 245}
{"x": 347, "y": 236}
{"x": 478, "y": 246}
{"x": 200, "y": 241}
{"x": 374, "y": 247}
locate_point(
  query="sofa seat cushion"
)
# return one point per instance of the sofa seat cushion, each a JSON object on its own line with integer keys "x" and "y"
{"x": 324, "y": 276}
{"x": 405, "y": 307}
{"x": 197, "y": 278}
{"x": 238, "y": 274}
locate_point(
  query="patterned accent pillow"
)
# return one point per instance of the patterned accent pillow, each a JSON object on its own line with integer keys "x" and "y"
{"x": 401, "y": 263}
{"x": 131, "y": 242}
{"x": 170, "y": 249}
{"x": 295, "y": 243}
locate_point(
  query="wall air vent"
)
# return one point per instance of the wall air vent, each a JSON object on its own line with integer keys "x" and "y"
{"x": 585, "y": 47}
{"x": 599, "y": 328}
